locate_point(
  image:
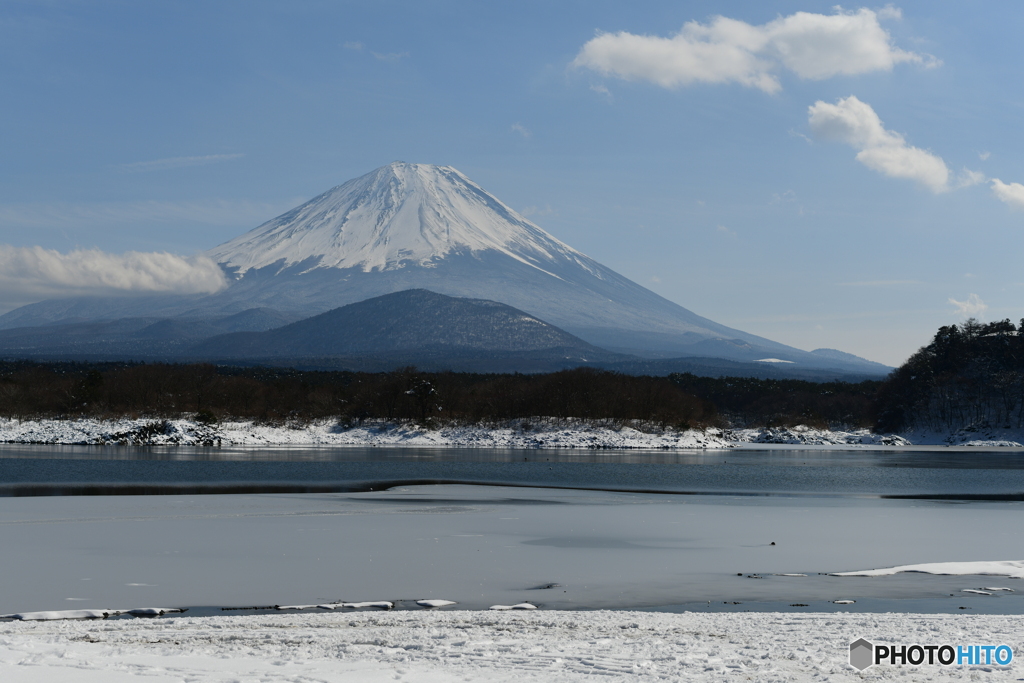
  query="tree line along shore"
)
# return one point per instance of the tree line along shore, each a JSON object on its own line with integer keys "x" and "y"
{"x": 969, "y": 374}
{"x": 70, "y": 390}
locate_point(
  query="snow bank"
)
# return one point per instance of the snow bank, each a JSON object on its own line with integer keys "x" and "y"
{"x": 58, "y": 615}
{"x": 538, "y": 433}
{"x": 431, "y": 647}
{"x": 330, "y": 433}
{"x": 1011, "y": 568}
{"x": 981, "y": 435}
{"x": 808, "y": 436}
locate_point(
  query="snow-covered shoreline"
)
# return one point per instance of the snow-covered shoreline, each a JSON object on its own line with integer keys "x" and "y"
{"x": 436, "y": 646}
{"x": 526, "y": 434}
{"x": 329, "y": 433}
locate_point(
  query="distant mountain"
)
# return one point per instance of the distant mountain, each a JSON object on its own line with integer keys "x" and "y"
{"x": 852, "y": 360}
{"x": 130, "y": 338}
{"x": 417, "y": 226}
{"x": 407, "y": 323}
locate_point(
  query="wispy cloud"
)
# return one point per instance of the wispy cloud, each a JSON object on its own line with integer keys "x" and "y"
{"x": 71, "y": 215}
{"x": 783, "y": 198}
{"x": 1008, "y": 193}
{"x": 521, "y": 129}
{"x": 352, "y": 45}
{"x": 854, "y": 122}
{"x": 545, "y": 210}
{"x": 984, "y": 155}
{"x": 879, "y": 283}
{"x": 602, "y": 90}
{"x": 969, "y": 178}
{"x": 34, "y": 273}
{"x": 812, "y": 46}
{"x": 970, "y": 308}
{"x": 973, "y": 307}
{"x": 177, "y": 162}
{"x": 390, "y": 57}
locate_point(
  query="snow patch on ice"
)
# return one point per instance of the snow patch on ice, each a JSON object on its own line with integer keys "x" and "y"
{"x": 435, "y": 603}
{"x": 1011, "y": 568}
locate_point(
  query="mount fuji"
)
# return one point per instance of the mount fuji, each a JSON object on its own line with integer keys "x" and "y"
{"x": 418, "y": 226}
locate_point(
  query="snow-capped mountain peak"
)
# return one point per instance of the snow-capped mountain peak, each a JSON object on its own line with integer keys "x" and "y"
{"x": 400, "y": 214}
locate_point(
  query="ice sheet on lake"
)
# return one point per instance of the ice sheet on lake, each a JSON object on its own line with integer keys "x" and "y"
{"x": 1011, "y": 568}
{"x": 477, "y": 545}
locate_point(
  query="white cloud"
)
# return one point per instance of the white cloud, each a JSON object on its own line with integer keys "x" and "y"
{"x": 984, "y": 155}
{"x": 602, "y": 90}
{"x": 352, "y": 45}
{"x": 813, "y": 46}
{"x": 856, "y": 123}
{"x": 971, "y": 308}
{"x": 1009, "y": 193}
{"x": 521, "y": 129}
{"x": 178, "y": 162}
{"x": 34, "y": 273}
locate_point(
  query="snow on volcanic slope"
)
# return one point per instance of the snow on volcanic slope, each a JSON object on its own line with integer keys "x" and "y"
{"x": 408, "y": 226}
{"x": 418, "y": 226}
{"x": 400, "y": 213}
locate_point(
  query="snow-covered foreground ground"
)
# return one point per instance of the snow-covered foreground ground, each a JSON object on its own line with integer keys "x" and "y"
{"x": 435, "y": 647}
{"x": 533, "y": 434}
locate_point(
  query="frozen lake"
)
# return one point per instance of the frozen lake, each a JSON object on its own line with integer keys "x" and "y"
{"x": 610, "y": 528}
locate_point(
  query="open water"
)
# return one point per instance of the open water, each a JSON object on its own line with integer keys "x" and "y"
{"x": 924, "y": 474}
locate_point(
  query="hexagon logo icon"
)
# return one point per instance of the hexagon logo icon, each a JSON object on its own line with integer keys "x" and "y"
{"x": 861, "y": 654}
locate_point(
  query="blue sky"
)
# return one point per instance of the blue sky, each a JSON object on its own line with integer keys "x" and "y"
{"x": 174, "y": 126}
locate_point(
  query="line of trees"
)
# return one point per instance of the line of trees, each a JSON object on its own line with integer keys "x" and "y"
{"x": 212, "y": 393}
{"x": 103, "y": 390}
{"x": 751, "y": 402}
{"x": 970, "y": 374}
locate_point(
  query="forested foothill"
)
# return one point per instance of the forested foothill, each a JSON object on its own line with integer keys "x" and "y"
{"x": 275, "y": 395}
{"x": 970, "y": 374}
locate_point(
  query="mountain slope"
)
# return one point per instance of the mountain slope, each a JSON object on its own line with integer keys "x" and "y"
{"x": 413, "y": 320}
{"x": 417, "y": 226}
